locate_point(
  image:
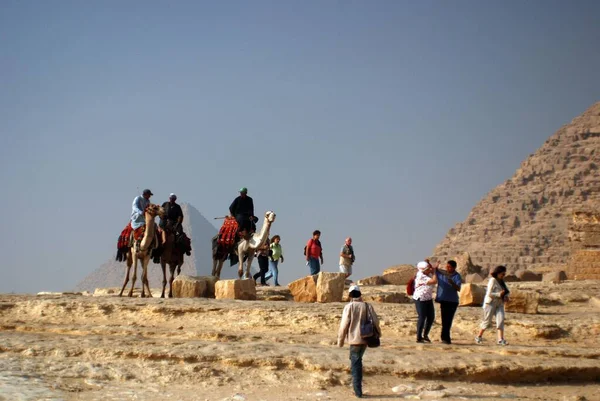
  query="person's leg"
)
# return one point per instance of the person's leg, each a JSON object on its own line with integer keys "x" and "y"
{"x": 263, "y": 264}
{"x": 275, "y": 272}
{"x": 488, "y": 312}
{"x": 445, "y": 329}
{"x": 356, "y": 355}
{"x": 500, "y": 322}
{"x": 314, "y": 265}
{"x": 420, "y": 319}
{"x": 429, "y": 317}
{"x": 269, "y": 274}
{"x": 451, "y": 311}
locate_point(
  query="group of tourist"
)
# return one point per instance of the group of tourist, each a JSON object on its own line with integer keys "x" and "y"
{"x": 357, "y": 313}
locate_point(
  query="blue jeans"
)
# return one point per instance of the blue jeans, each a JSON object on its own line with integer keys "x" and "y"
{"x": 273, "y": 271}
{"x": 426, "y": 315}
{"x": 356, "y": 354}
{"x": 315, "y": 266}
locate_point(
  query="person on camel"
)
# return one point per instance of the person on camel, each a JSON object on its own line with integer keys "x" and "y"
{"x": 173, "y": 218}
{"x": 242, "y": 209}
{"x": 140, "y": 203}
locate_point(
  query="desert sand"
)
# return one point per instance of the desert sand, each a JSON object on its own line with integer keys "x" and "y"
{"x": 77, "y": 347}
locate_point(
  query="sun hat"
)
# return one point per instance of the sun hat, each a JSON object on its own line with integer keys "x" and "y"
{"x": 422, "y": 265}
{"x": 354, "y": 288}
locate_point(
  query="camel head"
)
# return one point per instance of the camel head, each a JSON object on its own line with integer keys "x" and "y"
{"x": 155, "y": 210}
{"x": 270, "y": 216}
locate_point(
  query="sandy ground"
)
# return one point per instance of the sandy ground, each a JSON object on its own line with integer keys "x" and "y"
{"x": 73, "y": 347}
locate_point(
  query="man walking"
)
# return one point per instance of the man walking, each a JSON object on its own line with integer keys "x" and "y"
{"x": 347, "y": 257}
{"x": 449, "y": 282}
{"x": 314, "y": 253}
{"x": 354, "y": 316}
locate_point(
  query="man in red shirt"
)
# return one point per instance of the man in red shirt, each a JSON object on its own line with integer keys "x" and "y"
{"x": 314, "y": 252}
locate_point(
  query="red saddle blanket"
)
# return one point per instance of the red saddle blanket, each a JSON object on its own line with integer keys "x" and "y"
{"x": 228, "y": 232}
{"x": 124, "y": 240}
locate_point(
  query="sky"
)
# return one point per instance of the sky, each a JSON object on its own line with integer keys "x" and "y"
{"x": 386, "y": 121}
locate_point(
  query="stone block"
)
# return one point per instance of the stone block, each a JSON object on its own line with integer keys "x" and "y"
{"x": 304, "y": 289}
{"x": 474, "y": 278}
{"x": 523, "y": 302}
{"x": 527, "y": 275}
{"x": 555, "y": 277}
{"x": 373, "y": 280}
{"x": 399, "y": 275}
{"x": 189, "y": 287}
{"x": 471, "y": 295}
{"x": 511, "y": 278}
{"x": 330, "y": 287}
{"x": 235, "y": 289}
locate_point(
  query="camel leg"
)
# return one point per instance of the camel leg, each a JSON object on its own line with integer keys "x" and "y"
{"x": 129, "y": 262}
{"x": 219, "y": 267}
{"x": 172, "y": 268}
{"x": 135, "y": 262}
{"x": 250, "y": 258}
{"x": 145, "y": 283}
{"x": 163, "y": 266}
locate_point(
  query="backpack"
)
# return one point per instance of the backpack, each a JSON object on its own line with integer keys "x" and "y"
{"x": 410, "y": 286}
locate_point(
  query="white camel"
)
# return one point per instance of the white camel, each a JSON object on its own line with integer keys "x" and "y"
{"x": 244, "y": 248}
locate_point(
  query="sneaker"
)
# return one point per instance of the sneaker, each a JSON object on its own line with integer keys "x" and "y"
{"x": 448, "y": 342}
{"x": 420, "y": 340}
{"x": 502, "y": 342}
{"x": 478, "y": 340}
{"x": 426, "y": 339}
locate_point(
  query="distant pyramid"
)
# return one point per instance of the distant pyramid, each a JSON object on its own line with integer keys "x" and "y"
{"x": 200, "y": 230}
{"x": 523, "y": 223}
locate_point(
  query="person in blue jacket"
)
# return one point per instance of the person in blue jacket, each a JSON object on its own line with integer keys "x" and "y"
{"x": 449, "y": 282}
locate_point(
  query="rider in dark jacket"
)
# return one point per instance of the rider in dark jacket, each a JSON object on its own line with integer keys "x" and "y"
{"x": 242, "y": 208}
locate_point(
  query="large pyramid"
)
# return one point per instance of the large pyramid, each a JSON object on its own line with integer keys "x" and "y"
{"x": 523, "y": 222}
{"x": 200, "y": 230}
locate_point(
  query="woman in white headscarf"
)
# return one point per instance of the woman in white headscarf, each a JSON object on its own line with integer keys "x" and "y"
{"x": 423, "y": 296}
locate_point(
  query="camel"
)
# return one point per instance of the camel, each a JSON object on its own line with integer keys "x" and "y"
{"x": 172, "y": 256}
{"x": 142, "y": 251}
{"x": 243, "y": 248}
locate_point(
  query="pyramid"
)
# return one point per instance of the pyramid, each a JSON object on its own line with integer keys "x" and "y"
{"x": 200, "y": 230}
{"x": 524, "y": 222}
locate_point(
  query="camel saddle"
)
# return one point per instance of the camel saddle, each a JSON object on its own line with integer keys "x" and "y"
{"x": 228, "y": 232}
{"x": 129, "y": 237}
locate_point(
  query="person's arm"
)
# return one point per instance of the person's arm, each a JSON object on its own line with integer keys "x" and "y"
{"x": 233, "y": 207}
{"x": 180, "y": 215}
{"x": 322, "y": 261}
{"x": 434, "y": 279}
{"x": 251, "y": 207}
{"x": 308, "y": 246}
{"x": 344, "y": 255}
{"x": 137, "y": 206}
{"x": 490, "y": 288}
{"x": 456, "y": 282}
{"x": 281, "y": 250}
{"x": 344, "y": 325}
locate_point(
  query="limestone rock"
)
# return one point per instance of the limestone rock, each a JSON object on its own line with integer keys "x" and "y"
{"x": 471, "y": 295}
{"x": 330, "y": 287}
{"x": 114, "y": 291}
{"x": 399, "y": 275}
{"x": 188, "y": 287}
{"x": 526, "y": 275}
{"x": 304, "y": 289}
{"x": 464, "y": 265}
{"x": 524, "y": 221}
{"x": 511, "y": 278}
{"x": 387, "y": 297}
{"x": 523, "y": 302}
{"x": 235, "y": 289}
{"x": 555, "y": 277}
{"x": 474, "y": 278}
{"x": 585, "y": 265}
{"x": 373, "y": 280}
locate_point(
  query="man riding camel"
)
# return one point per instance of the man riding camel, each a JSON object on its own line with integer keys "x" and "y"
{"x": 173, "y": 218}
{"x": 140, "y": 203}
{"x": 242, "y": 208}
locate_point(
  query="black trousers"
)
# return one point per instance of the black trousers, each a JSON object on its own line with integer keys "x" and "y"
{"x": 448, "y": 310}
{"x": 426, "y": 315}
{"x": 263, "y": 265}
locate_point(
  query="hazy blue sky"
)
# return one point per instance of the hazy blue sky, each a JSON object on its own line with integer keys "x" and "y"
{"x": 383, "y": 120}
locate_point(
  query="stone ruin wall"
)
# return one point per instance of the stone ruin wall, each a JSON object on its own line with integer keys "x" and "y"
{"x": 584, "y": 239}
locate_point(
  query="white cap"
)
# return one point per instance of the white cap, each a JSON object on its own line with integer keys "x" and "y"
{"x": 172, "y": 194}
{"x": 422, "y": 265}
{"x": 354, "y": 288}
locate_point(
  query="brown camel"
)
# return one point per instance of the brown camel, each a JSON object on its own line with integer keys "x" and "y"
{"x": 172, "y": 255}
{"x": 142, "y": 251}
